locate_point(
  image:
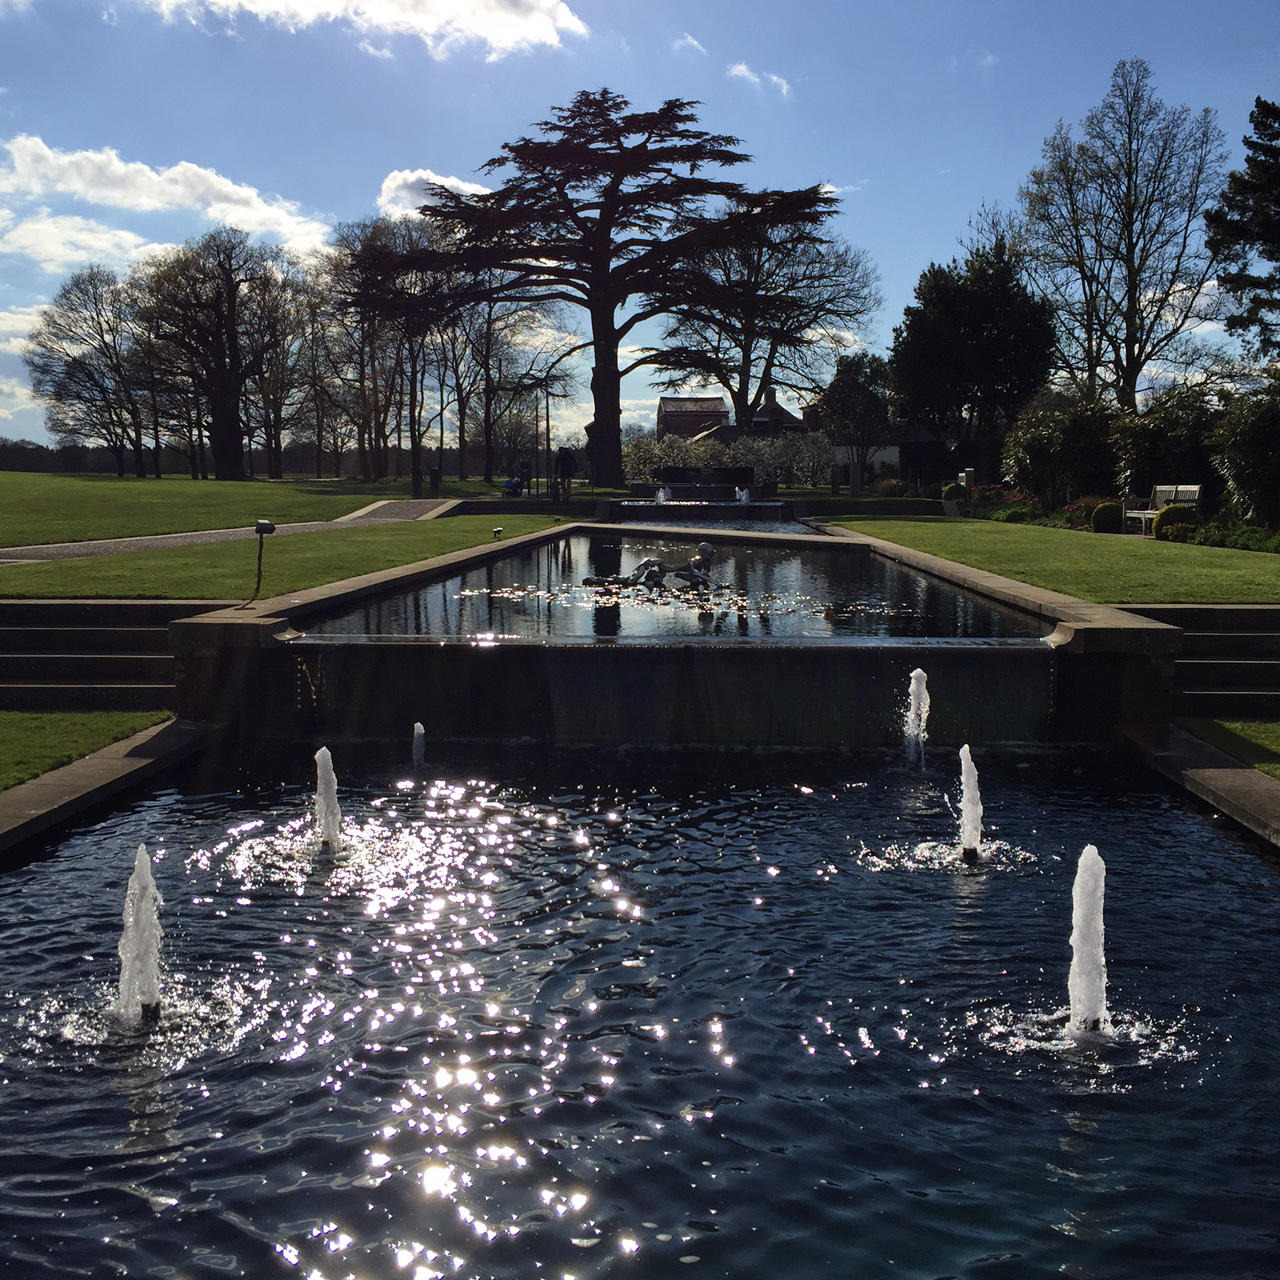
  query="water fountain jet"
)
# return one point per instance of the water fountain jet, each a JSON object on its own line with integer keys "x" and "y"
{"x": 915, "y": 724}
{"x": 1087, "y": 980}
{"x": 970, "y": 809}
{"x": 138, "y": 999}
{"x": 328, "y": 815}
{"x": 419, "y": 746}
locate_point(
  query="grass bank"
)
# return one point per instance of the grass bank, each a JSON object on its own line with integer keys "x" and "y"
{"x": 227, "y": 570}
{"x": 1108, "y": 568}
{"x": 33, "y": 742}
{"x": 36, "y": 507}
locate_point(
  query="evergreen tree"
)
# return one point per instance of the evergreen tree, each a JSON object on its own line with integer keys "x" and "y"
{"x": 593, "y": 213}
{"x": 1245, "y": 227}
{"x": 973, "y": 349}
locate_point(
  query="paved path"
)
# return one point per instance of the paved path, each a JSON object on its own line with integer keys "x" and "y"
{"x": 388, "y": 512}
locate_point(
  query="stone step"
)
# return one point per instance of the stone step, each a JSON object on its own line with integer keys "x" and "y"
{"x": 99, "y": 613}
{"x": 1227, "y": 704}
{"x": 1230, "y": 644}
{"x": 1227, "y": 673}
{"x": 97, "y": 668}
{"x": 1212, "y": 617}
{"x": 56, "y": 639}
{"x": 76, "y": 695}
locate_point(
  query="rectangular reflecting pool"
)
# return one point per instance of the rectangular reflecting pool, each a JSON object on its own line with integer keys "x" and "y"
{"x": 758, "y": 592}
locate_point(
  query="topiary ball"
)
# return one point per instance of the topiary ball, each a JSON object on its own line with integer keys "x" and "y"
{"x": 1107, "y": 517}
{"x": 1170, "y": 518}
{"x": 955, "y": 493}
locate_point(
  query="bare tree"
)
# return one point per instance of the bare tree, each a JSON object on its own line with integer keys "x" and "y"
{"x": 194, "y": 303}
{"x": 771, "y": 305}
{"x": 1114, "y": 234}
{"x": 82, "y": 358}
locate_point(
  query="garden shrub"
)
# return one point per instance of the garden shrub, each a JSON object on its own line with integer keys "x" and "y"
{"x": 1210, "y": 535}
{"x": 1107, "y": 517}
{"x": 955, "y": 493}
{"x": 1012, "y": 515}
{"x": 1245, "y": 453}
{"x": 1250, "y": 538}
{"x": 889, "y": 489}
{"x": 1171, "y": 518}
{"x": 934, "y": 491}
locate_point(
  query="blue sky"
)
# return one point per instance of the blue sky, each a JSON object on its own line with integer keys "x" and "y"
{"x": 126, "y": 124}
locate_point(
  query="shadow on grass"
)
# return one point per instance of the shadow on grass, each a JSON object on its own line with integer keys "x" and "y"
{"x": 1252, "y": 742}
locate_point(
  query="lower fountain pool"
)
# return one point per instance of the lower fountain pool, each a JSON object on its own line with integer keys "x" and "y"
{"x": 753, "y": 1017}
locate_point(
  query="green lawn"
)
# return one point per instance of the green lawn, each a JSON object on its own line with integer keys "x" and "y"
{"x": 33, "y": 742}
{"x": 227, "y": 570}
{"x": 1110, "y": 568}
{"x": 37, "y": 508}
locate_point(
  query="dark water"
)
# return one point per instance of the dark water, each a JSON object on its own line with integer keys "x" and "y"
{"x": 761, "y": 592}
{"x": 749, "y": 1022}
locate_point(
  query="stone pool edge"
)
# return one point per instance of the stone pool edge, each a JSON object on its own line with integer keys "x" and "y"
{"x": 38, "y": 807}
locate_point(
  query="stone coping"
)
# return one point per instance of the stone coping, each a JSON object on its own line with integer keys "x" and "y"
{"x": 1245, "y": 795}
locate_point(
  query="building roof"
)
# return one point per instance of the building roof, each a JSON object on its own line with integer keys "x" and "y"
{"x": 693, "y": 404}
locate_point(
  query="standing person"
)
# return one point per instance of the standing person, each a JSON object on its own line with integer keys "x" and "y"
{"x": 566, "y": 469}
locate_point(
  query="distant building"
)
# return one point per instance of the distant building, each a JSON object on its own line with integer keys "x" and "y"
{"x": 772, "y": 419}
{"x": 690, "y": 416}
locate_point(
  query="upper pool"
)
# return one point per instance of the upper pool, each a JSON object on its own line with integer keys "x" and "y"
{"x": 760, "y": 591}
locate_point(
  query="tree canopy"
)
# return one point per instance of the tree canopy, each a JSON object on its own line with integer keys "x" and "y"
{"x": 598, "y": 211}
{"x": 854, "y": 410}
{"x": 772, "y": 302}
{"x": 974, "y": 347}
{"x": 1245, "y": 226}
{"x": 1113, "y": 234}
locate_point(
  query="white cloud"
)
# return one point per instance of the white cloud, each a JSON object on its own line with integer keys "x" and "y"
{"x": 444, "y": 26}
{"x": 101, "y": 177}
{"x": 15, "y": 396}
{"x": 404, "y": 191}
{"x": 687, "y": 44}
{"x": 983, "y": 59}
{"x": 60, "y": 242}
{"x": 851, "y": 188}
{"x": 15, "y": 324}
{"x": 741, "y": 71}
{"x": 375, "y": 51}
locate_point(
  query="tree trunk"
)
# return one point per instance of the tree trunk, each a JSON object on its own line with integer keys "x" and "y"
{"x": 604, "y": 433}
{"x": 225, "y": 440}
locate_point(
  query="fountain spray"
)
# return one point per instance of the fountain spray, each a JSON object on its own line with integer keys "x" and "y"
{"x": 915, "y": 724}
{"x": 138, "y": 999}
{"x": 1087, "y": 981}
{"x": 970, "y": 808}
{"x": 328, "y": 815}
{"x": 419, "y": 746}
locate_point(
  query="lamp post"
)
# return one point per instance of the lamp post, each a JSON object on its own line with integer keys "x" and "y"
{"x": 261, "y": 528}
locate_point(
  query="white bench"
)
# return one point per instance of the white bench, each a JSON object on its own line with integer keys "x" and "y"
{"x": 1164, "y": 495}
